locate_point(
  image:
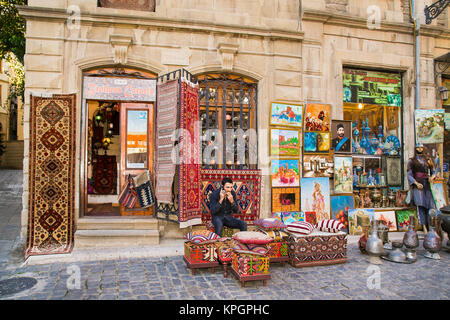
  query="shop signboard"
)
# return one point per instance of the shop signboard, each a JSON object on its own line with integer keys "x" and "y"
{"x": 372, "y": 87}
{"x": 122, "y": 89}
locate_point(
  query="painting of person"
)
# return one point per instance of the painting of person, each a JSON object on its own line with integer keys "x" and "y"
{"x": 319, "y": 203}
{"x": 341, "y": 139}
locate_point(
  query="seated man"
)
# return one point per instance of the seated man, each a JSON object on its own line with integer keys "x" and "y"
{"x": 222, "y": 205}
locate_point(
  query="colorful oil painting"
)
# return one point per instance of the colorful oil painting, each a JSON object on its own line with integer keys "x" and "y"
{"x": 387, "y": 218}
{"x": 403, "y": 219}
{"x": 316, "y": 142}
{"x": 284, "y": 142}
{"x": 318, "y": 165}
{"x": 289, "y": 217}
{"x": 343, "y": 178}
{"x": 310, "y": 216}
{"x": 285, "y": 173}
{"x": 286, "y": 115}
{"x": 357, "y": 218}
{"x": 315, "y": 196}
{"x": 429, "y": 125}
{"x": 341, "y": 136}
{"x": 340, "y": 205}
{"x": 317, "y": 117}
{"x": 439, "y": 194}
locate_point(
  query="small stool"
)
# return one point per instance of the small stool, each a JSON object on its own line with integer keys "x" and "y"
{"x": 224, "y": 254}
{"x": 199, "y": 256}
{"x": 246, "y": 267}
{"x": 278, "y": 252}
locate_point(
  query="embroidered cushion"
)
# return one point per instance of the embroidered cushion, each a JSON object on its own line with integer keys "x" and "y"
{"x": 257, "y": 249}
{"x": 300, "y": 227}
{"x": 252, "y": 237}
{"x": 329, "y": 226}
{"x": 276, "y": 235}
{"x": 201, "y": 236}
{"x": 269, "y": 224}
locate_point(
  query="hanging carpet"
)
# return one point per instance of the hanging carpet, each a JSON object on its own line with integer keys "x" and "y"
{"x": 246, "y": 184}
{"x": 166, "y": 125}
{"x": 190, "y": 211}
{"x": 51, "y": 175}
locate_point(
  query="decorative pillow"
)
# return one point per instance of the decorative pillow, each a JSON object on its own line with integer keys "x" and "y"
{"x": 300, "y": 227}
{"x": 329, "y": 226}
{"x": 252, "y": 237}
{"x": 201, "y": 236}
{"x": 289, "y": 217}
{"x": 269, "y": 224}
{"x": 257, "y": 249}
{"x": 276, "y": 235}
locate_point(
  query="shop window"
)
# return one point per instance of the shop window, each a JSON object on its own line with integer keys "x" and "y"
{"x": 142, "y": 5}
{"x": 373, "y": 103}
{"x": 228, "y": 105}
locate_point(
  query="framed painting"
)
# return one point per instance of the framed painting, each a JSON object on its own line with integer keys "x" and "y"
{"x": 432, "y": 151}
{"x": 341, "y": 136}
{"x": 285, "y": 199}
{"x": 429, "y": 125}
{"x": 343, "y": 177}
{"x": 387, "y": 218}
{"x": 318, "y": 165}
{"x": 357, "y": 218}
{"x": 439, "y": 193}
{"x": 289, "y": 217}
{"x": 403, "y": 219}
{"x": 340, "y": 205}
{"x": 285, "y": 173}
{"x": 394, "y": 171}
{"x": 315, "y": 195}
{"x": 284, "y": 142}
{"x": 282, "y": 114}
{"x": 314, "y": 142}
{"x": 317, "y": 117}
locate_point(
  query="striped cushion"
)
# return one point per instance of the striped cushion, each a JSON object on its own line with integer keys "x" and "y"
{"x": 276, "y": 235}
{"x": 201, "y": 236}
{"x": 269, "y": 224}
{"x": 329, "y": 226}
{"x": 300, "y": 227}
{"x": 257, "y": 249}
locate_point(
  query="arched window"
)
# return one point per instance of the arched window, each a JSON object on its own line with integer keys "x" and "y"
{"x": 228, "y": 107}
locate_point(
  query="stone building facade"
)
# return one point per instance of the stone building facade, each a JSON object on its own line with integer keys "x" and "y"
{"x": 295, "y": 50}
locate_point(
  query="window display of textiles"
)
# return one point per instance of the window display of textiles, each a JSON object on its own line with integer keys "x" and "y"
{"x": 105, "y": 175}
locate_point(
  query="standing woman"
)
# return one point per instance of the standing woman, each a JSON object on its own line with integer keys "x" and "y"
{"x": 420, "y": 173}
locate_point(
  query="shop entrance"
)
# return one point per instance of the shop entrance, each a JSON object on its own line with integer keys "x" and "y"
{"x": 119, "y": 140}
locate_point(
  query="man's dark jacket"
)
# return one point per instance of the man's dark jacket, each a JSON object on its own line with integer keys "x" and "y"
{"x": 226, "y": 208}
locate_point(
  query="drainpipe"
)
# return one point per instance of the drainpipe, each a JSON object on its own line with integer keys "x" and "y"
{"x": 416, "y": 21}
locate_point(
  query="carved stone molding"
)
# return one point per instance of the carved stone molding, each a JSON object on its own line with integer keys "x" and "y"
{"x": 227, "y": 52}
{"x": 120, "y": 44}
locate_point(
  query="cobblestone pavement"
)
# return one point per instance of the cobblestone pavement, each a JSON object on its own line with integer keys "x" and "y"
{"x": 168, "y": 279}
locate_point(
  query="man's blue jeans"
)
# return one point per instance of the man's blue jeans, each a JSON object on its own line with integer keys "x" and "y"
{"x": 228, "y": 221}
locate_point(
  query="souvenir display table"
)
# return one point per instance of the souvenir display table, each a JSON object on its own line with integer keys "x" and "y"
{"x": 317, "y": 248}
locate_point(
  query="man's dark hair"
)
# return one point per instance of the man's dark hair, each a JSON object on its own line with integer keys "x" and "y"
{"x": 226, "y": 180}
{"x": 340, "y": 125}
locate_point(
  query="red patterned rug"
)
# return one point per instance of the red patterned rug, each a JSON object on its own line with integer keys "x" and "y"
{"x": 246, "y": 184}
{"x": 105, "y": 175}
{"x": 190, "y": 211}
{"x": 51, "y": 175}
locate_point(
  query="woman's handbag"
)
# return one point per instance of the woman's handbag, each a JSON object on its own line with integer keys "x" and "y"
{"x": 128, "y": 195}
